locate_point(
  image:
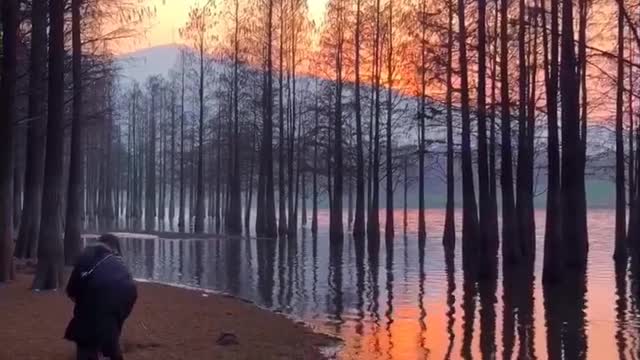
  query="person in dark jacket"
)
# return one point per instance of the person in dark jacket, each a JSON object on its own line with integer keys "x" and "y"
{"x": 104, "y": 294}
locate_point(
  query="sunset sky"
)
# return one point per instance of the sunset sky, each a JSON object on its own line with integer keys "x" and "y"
{"x": 172, "y": 14}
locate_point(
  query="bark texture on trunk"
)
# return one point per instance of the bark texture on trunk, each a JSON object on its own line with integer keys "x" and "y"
{"x": 73, "y": 228}
{"x": 49, "y": 272}
{"x": 27, "y": 241}
{"x": 10, "y": 25}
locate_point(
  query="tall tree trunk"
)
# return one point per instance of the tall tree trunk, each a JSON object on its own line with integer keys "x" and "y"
{"x": 234, "y": 218}
{"x": 449, "y": 236}
{"x": 405, "y": 221}
{"x": 247, "y": 213}
{"x": 359, "y": 222}
{"x": 523, "y": 232}
{"x": 199, "y": 215}
{"x": 291, "y": 102}
{"x": 484, "y": 192}
{"x": 218, "y": 200}
{"x": 469, "y": 206}
{"x": 529, "y": 220}
{"x": 509, "y": 248}
{"x": 266, "y": 220}
{"x": 314, "y": 212}
{"x": 136, "y": 165}
{"x": 150, "y": 188}
{"x": 373, "y": 227}
{"x": 583, "y": 8}
{"x": 282, "y": 215}
{"x": 632, "y": 178}
{"x": 49, "y": 272}
{"x": 571, "y": 145}
{"x": 27, "y": 242}
{"x": 19, "y": 139}
{"x": 422, "y": 226}
{"x": 181, "y": 212}
{"x": 553, "y": 225}
{"x": 10, "y": 24}
{"x": 172, "y": 166}
{"x": 72, "y": 241}
{"x": 336, "y": 227}
{"x": 389, "y": 225}
{"x": 621, "y": 205}
{"x": 163, "y": 161}
{"x": 493, "y": 221}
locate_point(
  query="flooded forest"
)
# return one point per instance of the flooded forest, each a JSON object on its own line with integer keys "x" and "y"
{"x": 482, "y": 158}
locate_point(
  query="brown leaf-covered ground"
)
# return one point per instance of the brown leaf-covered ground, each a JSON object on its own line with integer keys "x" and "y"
{"x": 167, "y": 323}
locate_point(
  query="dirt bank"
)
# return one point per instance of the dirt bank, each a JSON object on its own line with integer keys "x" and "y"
{"x": 167, "y": 323}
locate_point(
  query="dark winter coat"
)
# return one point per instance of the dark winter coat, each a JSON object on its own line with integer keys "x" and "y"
{"x": 104, "y": 294}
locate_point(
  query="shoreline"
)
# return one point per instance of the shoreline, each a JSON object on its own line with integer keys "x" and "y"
{"x": 168, "y": 322}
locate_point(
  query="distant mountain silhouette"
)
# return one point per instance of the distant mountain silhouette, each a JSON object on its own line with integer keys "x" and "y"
{"x": 139, "y": 65}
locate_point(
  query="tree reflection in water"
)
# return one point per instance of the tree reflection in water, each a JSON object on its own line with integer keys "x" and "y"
{"x": 405, "y": 300}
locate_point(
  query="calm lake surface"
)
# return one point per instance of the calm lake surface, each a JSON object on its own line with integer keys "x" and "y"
{"x": 398, "y": 305}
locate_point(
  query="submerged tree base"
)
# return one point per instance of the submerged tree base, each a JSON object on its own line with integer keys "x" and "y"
{"x": 34, "y": 322}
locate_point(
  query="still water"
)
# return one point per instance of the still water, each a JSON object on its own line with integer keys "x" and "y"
{"x": 400, "y": 305}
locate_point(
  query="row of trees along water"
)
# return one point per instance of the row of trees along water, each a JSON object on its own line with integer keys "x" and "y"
{"x": 338, "y": 109}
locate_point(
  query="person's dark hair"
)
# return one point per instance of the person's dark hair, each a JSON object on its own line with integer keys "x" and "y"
{"x": 112, "y": 242}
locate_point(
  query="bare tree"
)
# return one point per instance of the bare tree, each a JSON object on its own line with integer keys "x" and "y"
{"x": 72, "y": 241}
{"x": 27, "y": 241}
{"x": 10, "y": 24}
{"x": 621, "y": 205}
{"x": 49, "y": 272}
{"x": 469, "y": 207}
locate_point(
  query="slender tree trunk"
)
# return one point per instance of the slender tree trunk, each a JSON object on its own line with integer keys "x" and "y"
{"x": 162, "y": 203}
{"x": 449, "y": 236}
{"x": 484, "y": 191}
{"x": 529, "y": 220}
{"x": 282, "y": 215}
{"x": 374, "y": 220}
{"x": 27, "y": 242}
{"x": 405, "y": 222}
{"x": 10, "y": 24}
{"x": 234, "y": 218}
{"x": 583, "y": 8}
{"x": 172, "y": 166}
{"x": 218, "y": 215}
{"x": 291, "y": 102}
{"x": 151, "y": 188}
{"x": 359, "y": 222}
{"x": 49, "y": 272}
{"x": 389, "y": 226}
{"x": 19, "y": 139}
{"x": 108, "y": 163}
{"x": 72, "y": 241}
{"x": 266, "y": 222}
{"x": 509, "y": 249}
{"x": 493, "y": 221}
{"x": 247, "y": 213}
{"x": 521, "y": 187}
{"x": 314, "y": 214}
{"x": 469, "y": 207}
{"x": 634, "y": 224}
{"x": 422, "y": 226}
{"x": 135, "y": 163}
{"x": 621, "y": 205}
{"x": 553, "y": 249}
{"x": 632, "y": 178}
{"x": 571, "y": 145}
{"x": 303, "y": 184}
{"x": 181, "y": 215}
{"x": 336, "y": 228}
{"x": 199, "y": 215}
